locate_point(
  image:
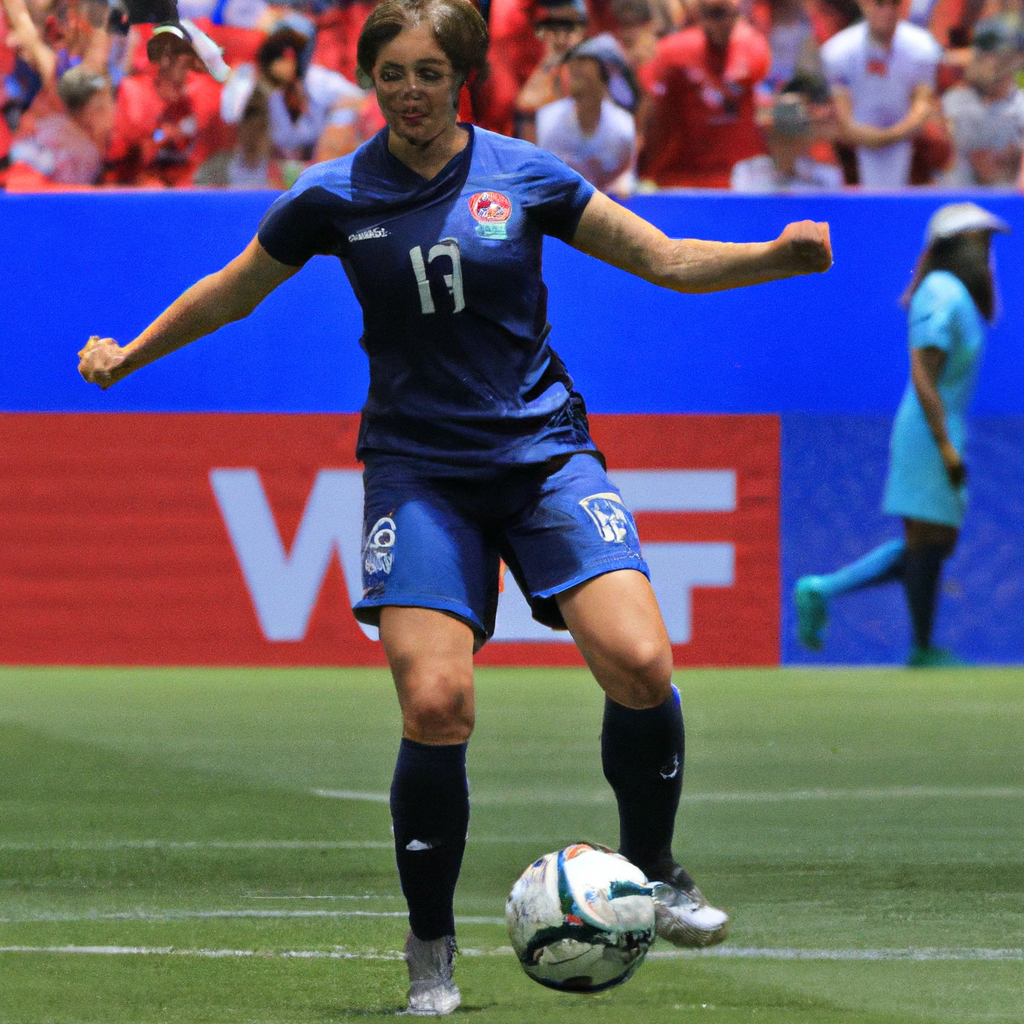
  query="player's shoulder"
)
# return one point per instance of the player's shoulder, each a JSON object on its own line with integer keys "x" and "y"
{"x": 500, "y": 154}
{"x": 336, "y": 176}
{"x": 916, "y": 42}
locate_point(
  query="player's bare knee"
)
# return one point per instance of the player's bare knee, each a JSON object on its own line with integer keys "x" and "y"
{"x": 439, "y": 712}
{"x": 643, "y": 674}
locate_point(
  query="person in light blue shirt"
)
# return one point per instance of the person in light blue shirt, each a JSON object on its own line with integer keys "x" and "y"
{"x": 951, "y": 297}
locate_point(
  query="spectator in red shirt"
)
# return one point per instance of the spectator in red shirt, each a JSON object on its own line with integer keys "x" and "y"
{"x": 167, "y": 124}
{"x": 337, "y": 32}
{"x": 698, "y": 118}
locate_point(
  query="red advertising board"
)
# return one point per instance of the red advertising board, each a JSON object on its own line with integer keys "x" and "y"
{"x": 227, "y": 539}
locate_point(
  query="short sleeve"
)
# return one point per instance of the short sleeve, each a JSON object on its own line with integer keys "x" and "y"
{"x": 298, "y": 226}
{"x": 554, "y": 195}
{"x": 834, "y": 60}
{"x": 933, "y": 310}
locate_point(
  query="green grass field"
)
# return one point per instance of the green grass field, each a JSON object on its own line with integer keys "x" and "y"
{"x": 213, "y": 846}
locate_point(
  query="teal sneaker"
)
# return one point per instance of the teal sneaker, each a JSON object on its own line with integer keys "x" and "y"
{"x": 811, "y": 612}
{"x": 934, "y": 657}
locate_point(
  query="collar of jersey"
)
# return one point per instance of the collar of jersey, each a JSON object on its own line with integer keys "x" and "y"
{"x": 404, "y": 175}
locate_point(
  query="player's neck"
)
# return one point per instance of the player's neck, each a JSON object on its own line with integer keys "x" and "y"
{"x": 428, "y": 158}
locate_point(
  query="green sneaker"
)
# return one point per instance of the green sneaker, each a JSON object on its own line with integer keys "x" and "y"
{"x": 934, "y": 657}
{"x": 811, "y": 612}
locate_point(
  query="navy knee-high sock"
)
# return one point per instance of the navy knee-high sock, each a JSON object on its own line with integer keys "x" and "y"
{"x": 642, "y": 756}
{"x": 922, "y": 568}
{"x": 430, "y": 815}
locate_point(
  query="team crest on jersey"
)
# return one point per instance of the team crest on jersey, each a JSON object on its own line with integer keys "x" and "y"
{"x": 609, "y": 515}
{"x": 491, "y": 211}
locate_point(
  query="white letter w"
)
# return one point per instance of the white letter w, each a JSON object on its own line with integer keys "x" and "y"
{"x": 284, "y": 588}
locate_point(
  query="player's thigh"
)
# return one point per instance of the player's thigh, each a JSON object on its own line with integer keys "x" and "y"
{"x": 430, "y": 654}
{"x": 617, "y": 625}
{"x": 424, "y": 548}
{"x": 570, "y": 526}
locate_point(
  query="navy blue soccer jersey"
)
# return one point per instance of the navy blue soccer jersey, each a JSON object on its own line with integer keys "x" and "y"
{"x": 448, "y": 274}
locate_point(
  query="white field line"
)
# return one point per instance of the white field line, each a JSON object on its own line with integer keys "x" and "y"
{"x": 796, "y": 795}
{"x": 209, "y": 915}
{"x": 922, "y": 955}
{"x": 213, "y": 844}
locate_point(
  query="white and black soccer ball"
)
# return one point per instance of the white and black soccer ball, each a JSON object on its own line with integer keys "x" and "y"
{"x": 581, "y": 919}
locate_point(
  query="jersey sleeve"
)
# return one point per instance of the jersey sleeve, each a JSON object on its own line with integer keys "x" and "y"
{"x": 298, "y": 226}
{"x": 555, "y": 195}
{"x": 933, "y": 310}
{"x": 834, "y": 59}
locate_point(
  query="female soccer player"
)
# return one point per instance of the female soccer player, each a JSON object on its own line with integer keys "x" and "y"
{"x": 952, "y": 292}
{"x": 476, "y": 445}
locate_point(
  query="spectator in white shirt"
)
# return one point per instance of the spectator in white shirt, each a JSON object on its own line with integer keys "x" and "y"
{"x": 986, "y": 113}
{"x": 882, "y": 72}
{"x": 788, "y": 166}
{"x": 592, "y": 134}
{"x": 303, "y": 99}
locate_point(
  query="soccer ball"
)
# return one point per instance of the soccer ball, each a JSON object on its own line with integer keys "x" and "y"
{"x": 581, "y": 919}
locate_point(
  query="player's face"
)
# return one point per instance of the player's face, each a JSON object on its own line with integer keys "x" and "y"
{"x": 416, "y": 87}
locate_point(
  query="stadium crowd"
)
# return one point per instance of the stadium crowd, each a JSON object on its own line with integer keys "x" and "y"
{"x": 637, "y": 95}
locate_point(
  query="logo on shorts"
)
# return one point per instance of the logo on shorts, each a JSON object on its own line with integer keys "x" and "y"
{"x": 609, "y": 516}
{"x": 378, "y": 554}
{"x": 491, "y": 211}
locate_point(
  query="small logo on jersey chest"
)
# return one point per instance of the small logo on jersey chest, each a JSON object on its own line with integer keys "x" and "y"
{"x": 491, "y": 211}
{"x": 362, "y": 236}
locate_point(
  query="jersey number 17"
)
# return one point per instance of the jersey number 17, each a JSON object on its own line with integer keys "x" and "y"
{"x": 446, "y": 247}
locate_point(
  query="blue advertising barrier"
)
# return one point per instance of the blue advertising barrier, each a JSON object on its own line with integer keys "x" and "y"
{"x": 107, "y": 263}
{"x": 827, "y": 353}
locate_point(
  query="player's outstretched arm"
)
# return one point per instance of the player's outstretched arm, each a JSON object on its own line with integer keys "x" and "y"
{"x": 221, "y": 298}
{"x": 617, "y": 236}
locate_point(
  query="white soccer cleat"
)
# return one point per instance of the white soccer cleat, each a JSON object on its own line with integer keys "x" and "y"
{"x": 685, "y": 918}
{"x": 432, "y": 993}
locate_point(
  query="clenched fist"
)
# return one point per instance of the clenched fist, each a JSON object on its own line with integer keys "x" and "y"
{"x": 102, "y": 362}
{"x": 806, "y": 247}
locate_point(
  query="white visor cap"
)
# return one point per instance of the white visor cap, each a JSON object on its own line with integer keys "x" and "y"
{"x": 954, "y": 218}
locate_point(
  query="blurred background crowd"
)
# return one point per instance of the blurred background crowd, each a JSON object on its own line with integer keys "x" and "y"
{"x": 637, "y": 95}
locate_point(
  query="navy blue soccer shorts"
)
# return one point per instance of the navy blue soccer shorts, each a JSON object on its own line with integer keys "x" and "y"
{"x": 433, "y": 541}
